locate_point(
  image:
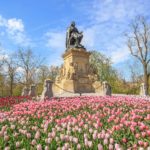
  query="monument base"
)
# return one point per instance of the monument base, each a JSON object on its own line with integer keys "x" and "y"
{"x": 76, "y": 75}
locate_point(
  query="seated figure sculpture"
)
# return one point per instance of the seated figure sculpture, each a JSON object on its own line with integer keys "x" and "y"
{"x": 73, "y": 37}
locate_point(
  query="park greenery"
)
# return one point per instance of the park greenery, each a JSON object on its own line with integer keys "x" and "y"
{"x": 24, "y": 68}
{"x": 116, "y": 122}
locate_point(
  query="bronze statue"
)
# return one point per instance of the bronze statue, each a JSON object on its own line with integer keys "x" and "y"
{"x": 73, "y": 37}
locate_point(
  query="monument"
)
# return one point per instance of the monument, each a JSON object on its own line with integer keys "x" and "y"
{"x": 106, "y": 88}
{"x": 76, "y": 74}
{"x": 47, "y": 89}
{"x": 25, "y": 91}
{"x": 32, "y": 91}
{"x": 142, "y": 89}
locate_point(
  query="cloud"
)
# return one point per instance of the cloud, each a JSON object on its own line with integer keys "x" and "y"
{"x": 120, "y": 55}
{"x": 90, "y": 37}
{"x": 108, "y": 20}
{"x": 3, "y": 21}
{"x": 15, "y": 25}
{"x": 55, "y": 40}
{"x": 14, "y": 28}
{"x": 117, "y": 10}
{"x": 2, "y": 54}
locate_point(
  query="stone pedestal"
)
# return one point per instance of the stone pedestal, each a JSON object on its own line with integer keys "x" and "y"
{"x": 25, "y": 91}
{"x": 32, "y": 91}
{"x": 47, "y": 89}
{"x": 142, "y": 90}
{"x": 76, "y": 75}
{"x": 106, "y": 89}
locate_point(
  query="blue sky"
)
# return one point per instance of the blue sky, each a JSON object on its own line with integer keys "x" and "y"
{"x": 41, "y": 25}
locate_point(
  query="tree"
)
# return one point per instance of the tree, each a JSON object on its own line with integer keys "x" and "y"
{"x": 2, "y": 56}
{"x": 11, "y": 65}
{"x": 2, "y": 85}
{"x": 103, "y": 67}
{"x": 138, "y": 42}
{"x": 54, "y": 71}
{"x": 43, "y": 73}
{"x": 29, "y": 64}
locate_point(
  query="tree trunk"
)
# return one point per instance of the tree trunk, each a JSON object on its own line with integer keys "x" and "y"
{"x": 11, "y": 86}
{"x": 146, "y": 78}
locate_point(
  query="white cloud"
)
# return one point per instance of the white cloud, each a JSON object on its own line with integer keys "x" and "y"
{"x": 2, "y": 54}
{"x": 56, "y": 40}
{"x": 14, "y": 28}
{"x": 118, "y": 10}
{"x": 120, "y": 55}
{"x": 104, "y": 31}
{"x": 3, "y": 21}
{"x": 109, "y": 20}
{"x": 89, "y": 39}
{"x": 15, "y": 25}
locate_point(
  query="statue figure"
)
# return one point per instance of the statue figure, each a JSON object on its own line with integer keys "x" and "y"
{"x": 73, "y": 37}
{"x": 72, "y": 72}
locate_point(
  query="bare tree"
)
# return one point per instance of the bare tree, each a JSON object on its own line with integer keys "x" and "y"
{"x": 135, "y": 68}
{"x": 2, "y": 56}
{"x": 29, "y": 63}
{"x": 43, "y": 73}
{"x": 138, "y": 42}
{"x": 11, "y": 65}
{"x": 53, "y": 72}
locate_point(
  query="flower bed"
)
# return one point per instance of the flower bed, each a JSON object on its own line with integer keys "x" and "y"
{"x": 77, "y": 123}
{"x": 6, "y": 102}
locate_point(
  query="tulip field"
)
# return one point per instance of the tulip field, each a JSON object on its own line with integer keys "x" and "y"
{"x": 75, "y": 123}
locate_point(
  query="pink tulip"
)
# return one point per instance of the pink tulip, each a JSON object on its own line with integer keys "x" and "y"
{"x": 107, "y": 135}
{"x": 124, "y": 140}
{"x": 143, "y": 134}
{"x": 100, "y": 147}
{"x": 12, "y": 127}
{"x": 105, "y": 141}
{"x": 37, "y": 135}
{"x": 46, "y": 148}
{"x": 94, "y": 136}
{"x": 1, "y": 133}
{"x": 78, "y": 147}
{"x": 137, "y": 135}
{"x": 18, "y": 144}
{"x": 117, "y": 146}
{"x": 39, "y": 147}
{"x": 91, "y": 130}
{"x": 90, "y": 144}
{"x": 110, "y": 147}
{"x": 57, "y": 139}
{"x": 7, "y": 148}
{"x": 141, "y": 143}
{"x": 148, "y": 132}
{"x": 145, "y": 144}
{"x": 33, "y": 142}
{"x": 111, "y": 140}
{"x": 28, "y": 135}
{"x": 49, "y": 140}
{"x": 75, "y": 140}
{"x": 6, "y": 138}
{"x": 148, "y": 148}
